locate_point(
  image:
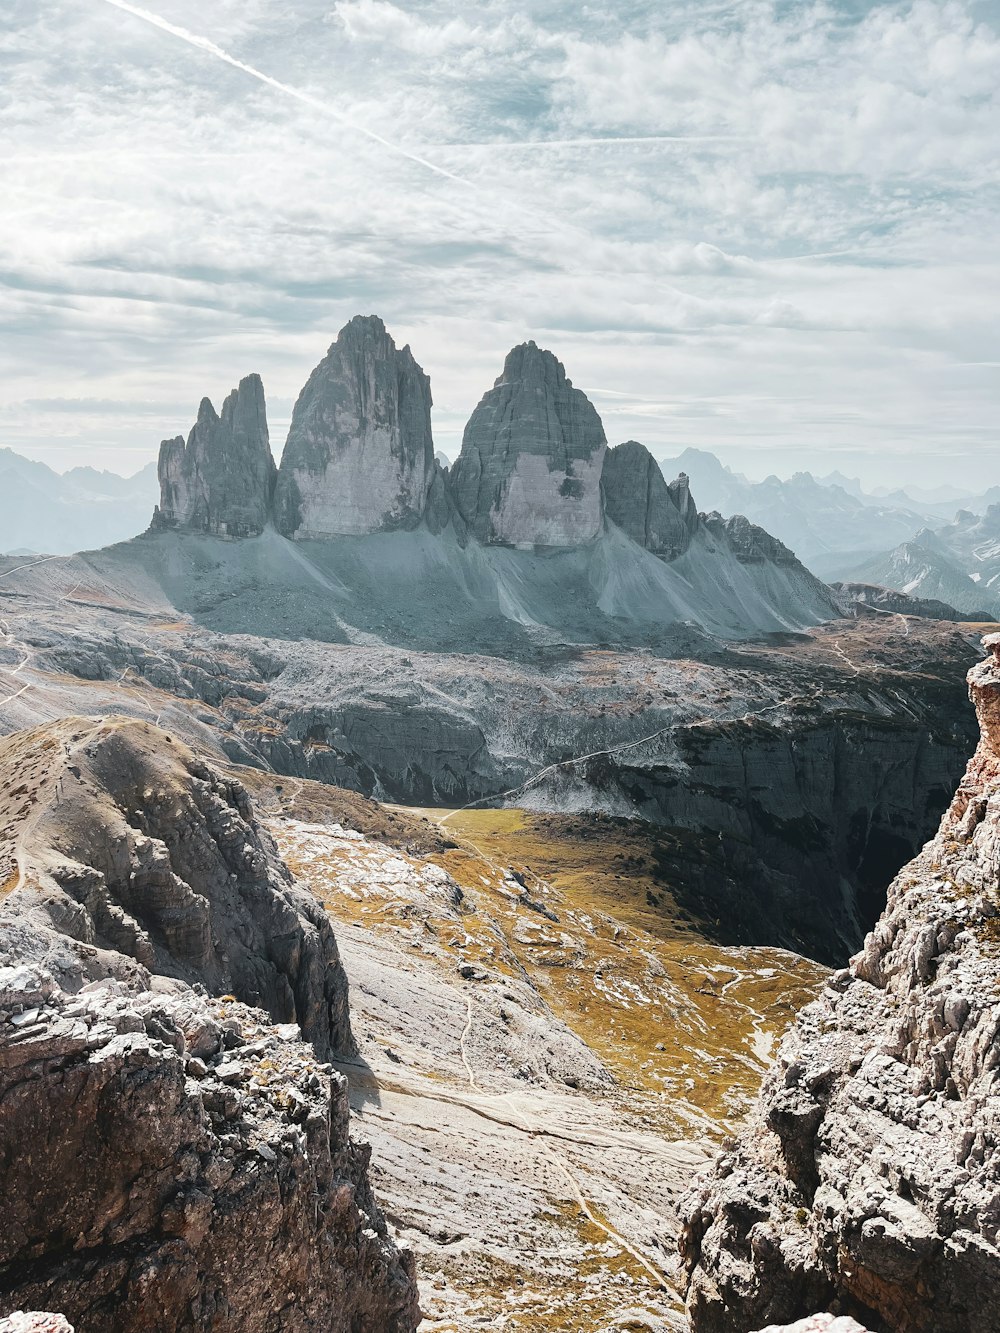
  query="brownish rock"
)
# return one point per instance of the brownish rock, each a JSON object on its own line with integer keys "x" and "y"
{"x": 148, "y": 1188}
{"x": 139, "y": 860}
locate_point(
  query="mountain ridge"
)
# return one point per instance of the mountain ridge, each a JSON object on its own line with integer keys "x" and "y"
{"x": 521, "y": 528}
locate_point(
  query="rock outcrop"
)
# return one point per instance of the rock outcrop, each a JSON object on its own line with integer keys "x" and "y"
{"x": 750, "y": 544}
{"x": 867, "y": 1184}
{"x": 638, "y": 500}
{"x": 818, "y": 1323}
{"x": 861, "y": 599}
{"x": 222, "y": 480}
{"x": 529, "y": 473}
{"x": 170, "y": 1160}
{"x": 138, "y": 860}
{"x": 359, "y": 456}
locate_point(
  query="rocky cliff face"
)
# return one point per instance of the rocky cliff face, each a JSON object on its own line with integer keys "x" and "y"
{"x": 750, "y": 544}
{"x": 359, "y": 456}
{"x": 861, "y": 599}
{"x": 867, "y": 1183}
{"x": 168, "y": 1160}
{"x": 137, "y": 859}
{"x": 172, "y": 1162}
{"x": 529, "y": 472}
{"x": 638, "y": 500}
{"x": 221, "y": 481}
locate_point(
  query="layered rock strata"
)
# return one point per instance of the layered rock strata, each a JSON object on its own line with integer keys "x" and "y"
{"x": 867, "y": 1184}
{"x": 172, "y": 1162}
{"x": 750, "y": 544}
{"x": 168, "y": 1160}
{"x": 638, "y": 500}
{"x": 529, "y": 473}
{"x": 138, "y": 860}
{"x": 359, "y": 456}
{"x": 221, "y": 481}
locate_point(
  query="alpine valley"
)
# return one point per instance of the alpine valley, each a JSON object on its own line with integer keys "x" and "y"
{"x": 410, "y": 874}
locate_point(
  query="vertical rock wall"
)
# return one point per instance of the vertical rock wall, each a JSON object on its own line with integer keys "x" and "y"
{"x": 638, "y": 500}
{"x": 359, "y": 456}
{"x": 869, "y": 1181}
{"x": 222, "y": 479}
{"x": 529, "y": 473}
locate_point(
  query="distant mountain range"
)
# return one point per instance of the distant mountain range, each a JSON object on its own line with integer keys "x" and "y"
{"x": 958, "y": 563}
{"x": 830, "y": 522}
{"x": 57, "y": 514}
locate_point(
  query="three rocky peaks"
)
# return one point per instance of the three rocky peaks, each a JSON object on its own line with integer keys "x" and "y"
{"x": 534, "y": 469}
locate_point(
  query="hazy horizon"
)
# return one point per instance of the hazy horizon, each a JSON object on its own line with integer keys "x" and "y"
{"x": 763, "y": 230}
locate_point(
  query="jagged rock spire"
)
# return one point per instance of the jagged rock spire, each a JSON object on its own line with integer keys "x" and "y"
{"x": 530, "y": 467}
{"x": 359, "y": 456}
{"x": 638, "y": 500}
{"x": 222, "y": 479}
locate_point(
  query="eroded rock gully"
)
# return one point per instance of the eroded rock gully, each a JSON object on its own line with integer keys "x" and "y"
{"x": 869, "y": 1181}
{"x": 170, "y": 1160}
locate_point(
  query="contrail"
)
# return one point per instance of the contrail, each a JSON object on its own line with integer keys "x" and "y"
{"x": 210, "y": 48}
{"x": 607, "y": 141}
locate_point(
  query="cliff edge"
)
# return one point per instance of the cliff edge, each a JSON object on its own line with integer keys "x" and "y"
{"x": 174, "y": 1147}
{"x": 868, "y": 1182}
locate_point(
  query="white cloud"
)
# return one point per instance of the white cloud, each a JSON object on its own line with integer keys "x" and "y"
{"x": 812, "y": 257}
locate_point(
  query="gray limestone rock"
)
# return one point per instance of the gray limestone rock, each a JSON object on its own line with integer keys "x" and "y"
{"x": 530, "y": 468}
{"x": 359, "y": 456}
{"x": 680, "y": 491}
{"x": 866, "y": 1183}
{"x": 750, "y": 544}
{"x": 638, "y": 500}
{"x": 438, "y": 512}
{"x": 222, "y": 480}
{"x": 141, "y": 861}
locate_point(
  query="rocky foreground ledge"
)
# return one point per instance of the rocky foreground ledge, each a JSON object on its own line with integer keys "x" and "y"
{"x": 174, "y": 1145}
{"x": 869, "y": 1182}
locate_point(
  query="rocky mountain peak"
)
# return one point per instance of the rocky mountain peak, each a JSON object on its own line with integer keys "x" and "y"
{"x": 359, "y": 456}
{"x": 530, "y": 467}
{"x": 221, "y": 480}
{"x": 530, "y": 363}
{"x": 680, "y": 493}
{"x": 638, "y": 500}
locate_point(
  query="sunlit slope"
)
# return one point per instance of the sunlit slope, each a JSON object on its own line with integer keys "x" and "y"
{"x": 549, "y": 1047}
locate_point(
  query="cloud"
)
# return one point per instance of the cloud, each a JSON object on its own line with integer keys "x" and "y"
{"x": 787, "y": 212}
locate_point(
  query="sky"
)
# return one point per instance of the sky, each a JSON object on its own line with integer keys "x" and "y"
{"x": 765, "y": 229}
